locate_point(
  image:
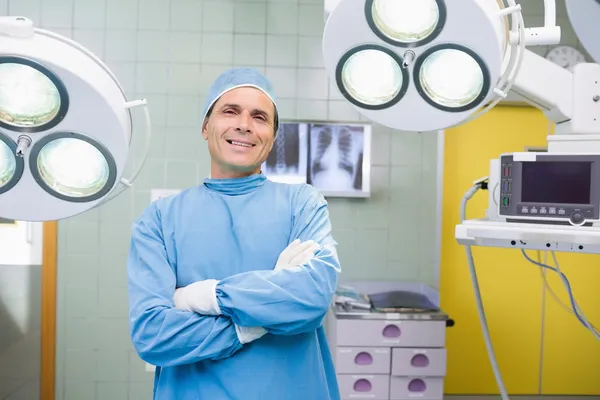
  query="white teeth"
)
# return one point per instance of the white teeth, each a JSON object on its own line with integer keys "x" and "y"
{"x": 241, "y": 144}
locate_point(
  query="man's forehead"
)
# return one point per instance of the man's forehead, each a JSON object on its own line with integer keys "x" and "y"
{"x": 246, "y": 97}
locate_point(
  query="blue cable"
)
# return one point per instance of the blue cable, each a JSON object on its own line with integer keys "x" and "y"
{"x": 573, "y": 305}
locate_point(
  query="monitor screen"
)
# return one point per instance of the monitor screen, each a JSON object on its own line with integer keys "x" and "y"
{"x": 558, "y": 182}
{"x": 334, "y": 158}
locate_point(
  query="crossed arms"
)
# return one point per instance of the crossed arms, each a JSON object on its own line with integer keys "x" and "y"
{"x": 286, "y": 301}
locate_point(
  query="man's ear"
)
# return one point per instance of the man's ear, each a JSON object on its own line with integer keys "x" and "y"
{"x": 204, "y": 129}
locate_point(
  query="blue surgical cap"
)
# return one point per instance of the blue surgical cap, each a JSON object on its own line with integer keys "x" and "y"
{"x": 235, "y": 78}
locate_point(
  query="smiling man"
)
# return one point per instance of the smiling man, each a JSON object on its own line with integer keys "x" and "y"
{"x": 229, "y": 281}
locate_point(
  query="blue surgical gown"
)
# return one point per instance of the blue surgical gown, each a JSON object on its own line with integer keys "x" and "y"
{"x": 233, "y": 230}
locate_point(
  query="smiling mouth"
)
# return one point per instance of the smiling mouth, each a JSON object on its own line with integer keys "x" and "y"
{"x": 240, "y": 144}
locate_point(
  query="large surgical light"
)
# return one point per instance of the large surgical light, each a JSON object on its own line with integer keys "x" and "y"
{"x": 584, "y": 17}
{"x": 372, "y": 77}
{"x": 29, "y": 96}
{"x": 66, "y": 126}
{"x": 405, "y": 22}
{"x": 455, "y": 56}
{"x": 451, "y": 78}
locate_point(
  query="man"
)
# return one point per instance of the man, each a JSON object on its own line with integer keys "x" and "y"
{"x": 229, "y": 281}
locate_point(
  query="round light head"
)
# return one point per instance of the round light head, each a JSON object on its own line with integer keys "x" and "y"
{"x": 406, "y": 23}
{"x": 371, "y": 77}
{"x": 451, "y": 78}
{"x": 11, "y": 166}
{"x": 72, "y": 167}
{"x": 584, "y": 17}
{"x": 32, "y": 98}
{"x": 439, "y": 89}
{"x": 70, "y": 118}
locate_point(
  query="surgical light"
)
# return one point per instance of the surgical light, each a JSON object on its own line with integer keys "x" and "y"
{"x": 8, "y": 165}
{"x": 450, "y": 78}
{"x": 584, "y": 16}
{"x": 405, "y": 21}
{"x": 72, "y": 167}
{"x": 415, "y": 34}
{"x": 371, "y": 77}
{"x": 28, "y": 97}
{"x": 66, "y": 126}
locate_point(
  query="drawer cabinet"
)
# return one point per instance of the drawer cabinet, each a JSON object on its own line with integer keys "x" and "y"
{"x": 375, "y": 387}
{"x": 418, "y": 362}
{"x": 385, "y": 359}
{"x": 423, "y": 387}
{"x": 391, "y": 333}
{"x": 363, "y": 360}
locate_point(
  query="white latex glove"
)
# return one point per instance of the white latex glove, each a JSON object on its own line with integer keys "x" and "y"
{"x": 296, "y": 254}
{"x": 199, "y": 297}
{"x": 247, "y": 334}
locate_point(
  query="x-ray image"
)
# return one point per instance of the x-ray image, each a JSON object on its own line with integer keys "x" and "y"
{"x": 326, "y": 156}
{"x": 287, "y": 160}
{"x": 336, "y": 157}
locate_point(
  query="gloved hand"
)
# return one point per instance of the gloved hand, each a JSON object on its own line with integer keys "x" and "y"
{"x": 199, "y": 297}
{"x": 296, "y": 254}
{"x": 247, "y": 334}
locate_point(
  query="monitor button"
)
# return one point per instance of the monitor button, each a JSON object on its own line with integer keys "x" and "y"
{"x": 577, "y": 218}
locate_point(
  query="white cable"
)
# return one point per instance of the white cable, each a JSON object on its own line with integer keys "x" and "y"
{"x": 480, "y": 310}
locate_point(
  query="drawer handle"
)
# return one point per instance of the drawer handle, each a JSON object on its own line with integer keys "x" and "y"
{"x": 391, "y": 331}
{"x": 420, "y": 361}
{"x": 417, "y": 385}
{"x": 362, "y": 385}
{"x": 363, "y": 358}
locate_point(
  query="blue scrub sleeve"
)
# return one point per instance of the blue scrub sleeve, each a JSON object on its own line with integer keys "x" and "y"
{"x": 163, "y": 335}
{"x": 294, "y": 301}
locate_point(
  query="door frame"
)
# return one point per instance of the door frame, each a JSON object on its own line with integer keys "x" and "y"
{"x": 48, "y": 307}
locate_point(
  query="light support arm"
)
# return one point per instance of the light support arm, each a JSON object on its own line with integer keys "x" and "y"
{"x": 569, "y": 99}
{"x": 545, "y": 86}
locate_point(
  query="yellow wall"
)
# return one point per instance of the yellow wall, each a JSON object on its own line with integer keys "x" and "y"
{"x": 511, "y": 287}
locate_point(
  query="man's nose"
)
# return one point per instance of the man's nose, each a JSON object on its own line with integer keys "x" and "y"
{"x": 244, "y": 122}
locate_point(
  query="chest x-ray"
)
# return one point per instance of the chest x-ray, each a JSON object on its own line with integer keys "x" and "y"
{"x": 336, "y": 157}
{"x": 287, "y": 160}
{"x": 331, "y": 157}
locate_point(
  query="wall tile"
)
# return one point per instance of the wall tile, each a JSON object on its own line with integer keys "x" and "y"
{"x": 154, "y": 14}
{"x": 250, "y": 18}
{"x": 218, "y": 16}
{"x": 121, "y": 14}
{"x": 186, "y": 15}
{"x": 57, "y": 14}
{"x": 282, "y": 19}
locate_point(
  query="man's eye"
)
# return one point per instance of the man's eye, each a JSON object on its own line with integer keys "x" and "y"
{"x": 260, "y": 117}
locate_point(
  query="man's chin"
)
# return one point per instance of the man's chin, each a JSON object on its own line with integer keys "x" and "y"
{"x": 235, "y": 165}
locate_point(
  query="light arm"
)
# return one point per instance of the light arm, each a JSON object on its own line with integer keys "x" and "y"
{"x": 545, "y": 86}
{"x": 569, "y": 99}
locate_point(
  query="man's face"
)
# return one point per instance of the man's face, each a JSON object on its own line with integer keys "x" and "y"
{"x": 240, "y": 132}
